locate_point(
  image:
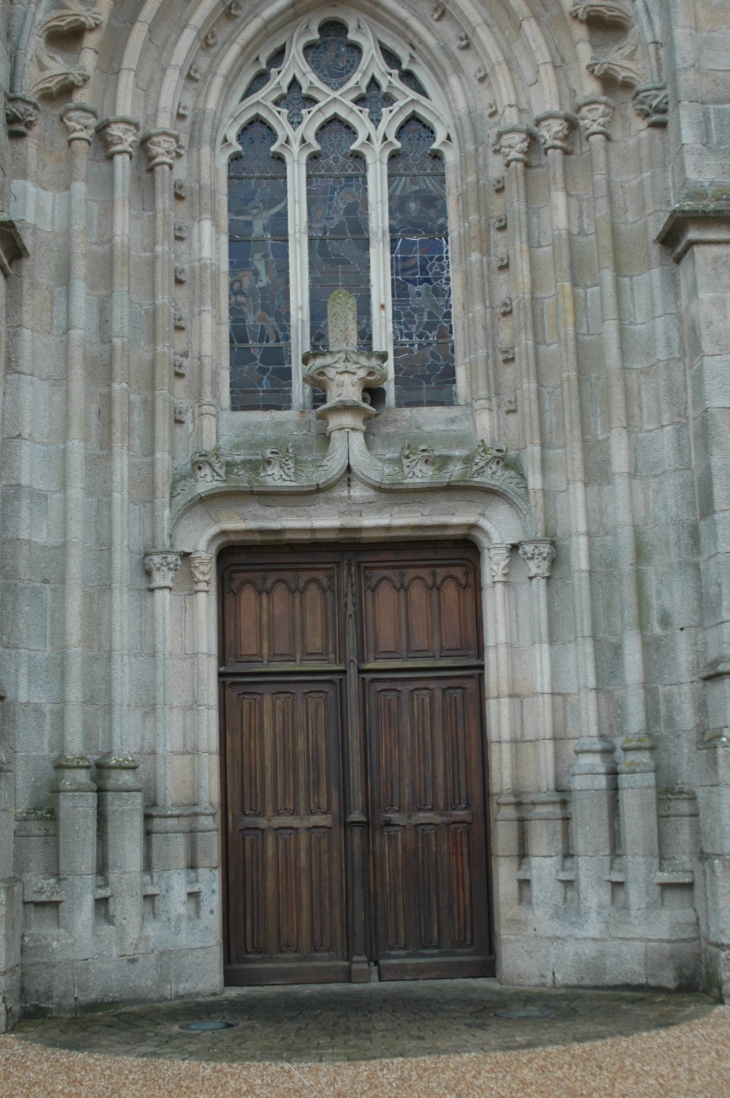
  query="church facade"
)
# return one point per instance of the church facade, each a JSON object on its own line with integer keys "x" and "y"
{"x": 365, "y": 590}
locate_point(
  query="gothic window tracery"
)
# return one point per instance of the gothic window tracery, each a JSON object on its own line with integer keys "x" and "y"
{"x": 337, "y": 179}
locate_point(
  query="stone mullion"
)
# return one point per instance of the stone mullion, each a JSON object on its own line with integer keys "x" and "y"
{"x": 80, "y": 121}
{"x": 620, "y": 450}
{"x": 574, "y": 456}
{"x": 468, "y": 224}
{"x": 299, "y": 264}
{"x": 222, "y": 336}
{"x": 380, "y": 282}
{"x": 206, "y": 418}
{"x": 513, "y": 144}
{"x": 118, "y": 136}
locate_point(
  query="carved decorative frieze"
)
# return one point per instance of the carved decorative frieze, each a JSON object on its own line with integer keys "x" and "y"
{"x": 180, "y": 274}
{"x": 80, "y": 120}
{"x": 538, "y": 555}
{"x": 505, "y": 306}
{"x": 513, "y": 143}
{"x": 118, "y": 135}
{"x": 651, "y": 101}
{"x": 502, "y": 261}
{"x": 208, "y": 467}
{"x": 21, "y": 114}
{"x": 161, "y": 566}
{"x": 499, "y": 561}
{"x": 278, "y": 465}
{"x": 555, "y": 129}
{"x": 201, "y": 568}
{"x": 161, "y": 147}
{"x": 211, "y": 40}
{"x": 462, "y": 42}
{"x": 438, "y": 11}
{"x": 180, "y": 364}
{"x": 417, "y": 461}
{"x": 595, "y": 114}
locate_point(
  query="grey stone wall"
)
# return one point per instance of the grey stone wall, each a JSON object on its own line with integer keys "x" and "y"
{"x": 591, "y": 222}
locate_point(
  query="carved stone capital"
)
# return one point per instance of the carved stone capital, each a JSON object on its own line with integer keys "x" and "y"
{"x": 555, "y": 129}
{"x": 343, "y": 375}
{"x": 595, "y": 114}
{"x": 201, "y": 567}
{"x": 538, "y": 555}
{"x": 21, "y": 114}
{"x": 161, "y": 566}
{"x": 118, "y": 135}
{"x": 651, "y": 101}
{"x": 161, "y": 147}
{"x": 80, "y": 120}
{"x": 513, "y": 143}
{"x": 499, "y": 558}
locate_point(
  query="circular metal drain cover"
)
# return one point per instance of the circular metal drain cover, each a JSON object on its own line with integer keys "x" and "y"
{"x": 526, "y": 1013}
{"x": 205, "y": 1027}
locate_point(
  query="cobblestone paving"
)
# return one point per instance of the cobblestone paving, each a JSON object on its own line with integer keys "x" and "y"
{"x": 316, "y": 1024}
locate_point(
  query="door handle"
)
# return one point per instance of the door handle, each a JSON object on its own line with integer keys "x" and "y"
{"x": 386, "y": 821}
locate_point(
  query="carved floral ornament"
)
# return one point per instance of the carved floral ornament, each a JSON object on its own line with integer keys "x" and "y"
{"x": 21, "y": 114}
{"x": 499, "y": 558}
{"x": 513, "y": 142}
{"x": 595, "y": 114}
{"x": 651, "y": 102}
{"x": 555, "y": 129}
{"x": 161, "y": 566}
{"x": 80, "y": 120}
{"x": 161, "y": 147}
{"x": 118, "y": 135}
{"x": 201, "y": 567}
{"x": 538, "y": 555}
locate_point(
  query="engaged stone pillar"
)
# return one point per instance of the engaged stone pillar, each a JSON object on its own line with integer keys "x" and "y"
{"x": 75, "y": 797}
{"x": 160, "y": 566}
{"x": 538, "y": 555}
{"x": 639, "y": 824}
{"x": 122, "y": 844}
{"x": 203, "y": 827}
{"x": 11, "y": 906}
{"x": 593, "y": 781}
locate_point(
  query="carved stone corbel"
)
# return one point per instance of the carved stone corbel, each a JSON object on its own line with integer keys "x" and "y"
{"x": 622, "y": 63}
{"x": 611, "y": 12}
{"x": 343, "y": 371}
{"x": 651, "y": 102}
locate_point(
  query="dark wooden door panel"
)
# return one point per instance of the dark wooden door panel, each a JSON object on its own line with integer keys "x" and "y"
{"x": 429, "y": 871}
{"x": 277, "y": 616}
{"x": 353, "y": 769}
{"x": 421, "y": 611}
{"x": 285, "y": 857}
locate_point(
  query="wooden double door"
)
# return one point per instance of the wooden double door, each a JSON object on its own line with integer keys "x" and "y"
{"x": 353, "y": 765}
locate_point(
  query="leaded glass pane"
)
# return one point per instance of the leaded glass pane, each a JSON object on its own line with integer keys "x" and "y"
{"x": 263, "y": 78}
{"x": 295, "y": 103}
{"x": 423, "y": 346}
{"x": 339, "y": 241}
{"x": 258, "y": 261}
{"x": 332, "y": 58}
{"x": 406, "y": 77}
{"x": 374, "y": 102}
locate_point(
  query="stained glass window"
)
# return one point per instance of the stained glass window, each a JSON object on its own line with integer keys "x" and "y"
{"x": 374, "y": 102}
{"x": 423, "y": 343}
{"x": 332, "y": 57}
{"x": 262, "y": 79}
{"x": 339, "y": 238}
{"x": 258, "y": 253}
{"x": 394, "y": 62}
{"x": 294, "y": 103}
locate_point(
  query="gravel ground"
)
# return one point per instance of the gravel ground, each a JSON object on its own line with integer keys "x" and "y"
{"x": 691, "y": 1060}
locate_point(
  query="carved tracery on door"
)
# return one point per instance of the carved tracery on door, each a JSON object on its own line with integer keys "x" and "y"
{"x": 354, "y": 776}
